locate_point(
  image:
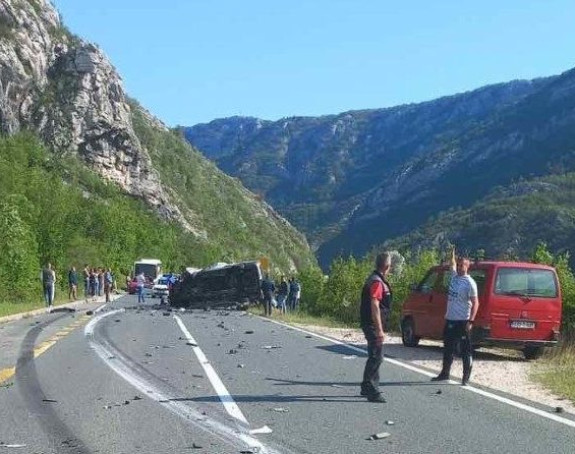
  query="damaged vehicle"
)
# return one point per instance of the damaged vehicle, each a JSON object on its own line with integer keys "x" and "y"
{"x": 220, "y": 285}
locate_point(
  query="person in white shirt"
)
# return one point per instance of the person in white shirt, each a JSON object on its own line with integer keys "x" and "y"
{"x": 141, "y": 280}
{"x": 462, "y": 306}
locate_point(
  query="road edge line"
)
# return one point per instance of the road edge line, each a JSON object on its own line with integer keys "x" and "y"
{"x": 469, "y": 388}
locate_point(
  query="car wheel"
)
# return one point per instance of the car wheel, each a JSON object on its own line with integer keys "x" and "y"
{"x": 408, "y": 333}
{"x": 533, "y": 352}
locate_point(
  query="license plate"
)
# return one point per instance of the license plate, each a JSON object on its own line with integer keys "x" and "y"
{"x": 520, "y": 324}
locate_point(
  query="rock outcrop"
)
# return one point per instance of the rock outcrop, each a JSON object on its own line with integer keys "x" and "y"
{"x": 68, "y": 92}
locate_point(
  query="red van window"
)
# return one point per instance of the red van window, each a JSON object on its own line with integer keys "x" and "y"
{"x": 526, "y": 281}
{"x": 479, "y": 276}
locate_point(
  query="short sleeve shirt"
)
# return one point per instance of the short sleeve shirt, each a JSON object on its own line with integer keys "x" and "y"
{"x": 377, "y": 290}
{"x": 461, "y": 290}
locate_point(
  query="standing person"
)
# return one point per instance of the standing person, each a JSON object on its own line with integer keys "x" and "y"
{"x": 462, "y": 306}
{"x": 108, "y": 283}
{"x": 72, "y": 284}
{"x": 86, "y": 275}
{"x": 268, "y": 289}
{"x": 141, "y": 280}
{"x": 100, "y": 281}
{"x": 375, "y": 305}
{"x": 283, "y": 294}
{"x": 93, "y": 282}
{"x": 294, "y": 294}
{"x": 48, "y": 283}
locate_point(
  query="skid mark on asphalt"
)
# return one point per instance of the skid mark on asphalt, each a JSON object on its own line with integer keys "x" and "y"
{"x": 9, "y": 372}
{"x": 60, "y": 437}
{"x": 469, "y": 388}
{"x": 135, "y": 375}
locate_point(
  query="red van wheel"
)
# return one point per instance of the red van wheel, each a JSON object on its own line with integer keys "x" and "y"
{"x": 533, "y": 352}
{"x": 408, "y": 336}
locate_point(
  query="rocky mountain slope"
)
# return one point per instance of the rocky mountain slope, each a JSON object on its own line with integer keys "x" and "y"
{"x": 67, "y": 92}
{"x": 357, "y": 179}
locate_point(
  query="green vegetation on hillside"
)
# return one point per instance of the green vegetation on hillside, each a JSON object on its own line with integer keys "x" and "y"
{"x": 509, "y": 223}
{"x": 235, "y": 222}
{"x": 337, "y": 297}
{"x": 54, "y": 209}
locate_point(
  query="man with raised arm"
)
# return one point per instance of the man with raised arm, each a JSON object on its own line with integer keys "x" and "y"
{"x": 462, "y": 306}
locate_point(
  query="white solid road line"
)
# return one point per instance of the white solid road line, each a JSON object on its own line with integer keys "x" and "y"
{"x": 221, "y": 390}
{"x": 116, "y": 361}
{"x": 481, "y": 392}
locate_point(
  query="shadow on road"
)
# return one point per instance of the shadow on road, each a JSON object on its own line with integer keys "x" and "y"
{"x": 423, "y": 352}
{"x": 284, "y": 382}
{"x": 273, "y": 398}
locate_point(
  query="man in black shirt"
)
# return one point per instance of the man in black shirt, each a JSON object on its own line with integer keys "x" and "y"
{"x": 375, "y": 306}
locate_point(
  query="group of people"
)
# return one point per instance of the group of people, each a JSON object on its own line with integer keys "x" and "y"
{"x": 462, "y": 307}
{"x": 286, "y": 297}
{"x": 97, "y": 281}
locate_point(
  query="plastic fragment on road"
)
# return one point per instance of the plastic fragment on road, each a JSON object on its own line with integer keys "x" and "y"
{"x": 379, "y": 436}
{"x": 280, "y": 410}
{"x": 261, "y": 430}
{"x": 559, "y": 409}
{"x": 191, "y": 343}
{"x": 50, "y": 400}
{"x": 89, "y": 312}
{"x": 389, "y": 423}
{"x": 252, "y": 450}
{"x": 249, "y": 331}
{"x": 336, "y": 386}
{"x": 241, "y": 366}
{"x": 270, "y": 347}
{"x": 350, "y": 357}
{"x": 12, "y": 445}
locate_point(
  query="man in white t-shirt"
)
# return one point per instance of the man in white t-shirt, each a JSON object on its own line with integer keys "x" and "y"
{"x": 462, "y": 306}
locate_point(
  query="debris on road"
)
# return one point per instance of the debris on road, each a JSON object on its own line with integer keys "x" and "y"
{"x": 147, "y": 354}
{"x": 50, "y": 400}
{"x": 191, "y": 343}
{"x": 249, "y": 331}
{"x": 309, "y": 337}
{"x": 559, "y": 409}
{"x": 241, "y": 366}
{"x": 261, "y": 430}
{"x": 89, "y": 312}
{"x": 232, "y": 351}
{"x": 197, "y": 376}
{"x": 350, "y": 357}
{"x": 379, "y": 436}
{"x": 280, "y": 410}
{"x": 196, "y": 446}
{"x": 166, "y": 314}
{"x": 389, "y": 423}
{"x": 117, "y": 320}
{"x": 137, "y": 398}
{"x": 107, "y": 407}
{"x": 336, "y": 386}
{"x": 4, "y": 445}
{"x": 438, "y": 392}
{"x": 270, "y": 347}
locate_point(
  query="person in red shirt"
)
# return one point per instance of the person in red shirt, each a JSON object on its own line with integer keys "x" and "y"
{"x": 375, "y": 307}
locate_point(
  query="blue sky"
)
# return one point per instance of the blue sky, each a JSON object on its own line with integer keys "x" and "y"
{"x": 191, "y": 61}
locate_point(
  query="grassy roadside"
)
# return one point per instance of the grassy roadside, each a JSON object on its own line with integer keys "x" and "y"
{"x": 10, "y": 308}
{"x": 556, "y": 371}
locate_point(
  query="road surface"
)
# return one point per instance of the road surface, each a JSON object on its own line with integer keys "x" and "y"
{"x": 134, "y": 379}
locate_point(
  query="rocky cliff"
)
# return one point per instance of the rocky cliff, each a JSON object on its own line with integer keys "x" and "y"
{"x": 67, "y": 91}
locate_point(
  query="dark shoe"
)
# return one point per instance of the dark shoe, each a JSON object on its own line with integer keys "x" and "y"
{"x": 376, "y": 398}
{"x": 441, "y": 377}
{"x": 465, "y": 378}
{"x": 364, "y": 390}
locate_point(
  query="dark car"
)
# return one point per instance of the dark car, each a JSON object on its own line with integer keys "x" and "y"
{"x": 236, "y": 284}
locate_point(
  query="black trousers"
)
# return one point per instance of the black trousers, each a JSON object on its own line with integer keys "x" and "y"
{"x": 370, "y": 382}
{"x": 454, "y": 333}
{"x": 268, "y": 304}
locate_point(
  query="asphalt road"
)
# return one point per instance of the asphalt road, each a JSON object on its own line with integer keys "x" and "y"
{"x": 138, "y": 380}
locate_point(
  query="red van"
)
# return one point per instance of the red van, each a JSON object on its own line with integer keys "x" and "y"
{"x": 519, "y": 306}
